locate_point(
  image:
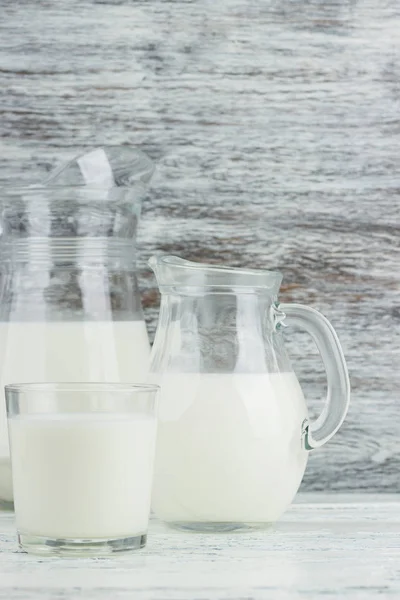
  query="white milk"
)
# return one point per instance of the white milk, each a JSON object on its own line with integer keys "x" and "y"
{"x": 67, "y": 352}
{"x": 82, "y": 475}
{"x": 228, "y": 447}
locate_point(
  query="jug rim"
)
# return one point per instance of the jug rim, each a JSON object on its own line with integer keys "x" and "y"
{"x": 175, "y": 273}
{"x": 193, "y": 264}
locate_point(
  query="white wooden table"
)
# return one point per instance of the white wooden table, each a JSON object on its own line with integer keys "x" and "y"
{"x": 325, "y": 546}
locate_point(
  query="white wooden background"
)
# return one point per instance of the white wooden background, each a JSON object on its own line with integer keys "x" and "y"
{"x": 275, "y": 126}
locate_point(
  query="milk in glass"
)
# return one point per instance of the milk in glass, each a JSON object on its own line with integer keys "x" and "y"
{"x": 82, "y": 476}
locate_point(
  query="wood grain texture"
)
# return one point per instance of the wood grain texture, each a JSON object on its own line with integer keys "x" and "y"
{"x": 325, "y": 547}
{"x": 275, "y": 127}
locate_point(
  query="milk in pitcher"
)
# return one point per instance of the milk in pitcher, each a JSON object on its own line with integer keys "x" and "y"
{"x": 229, "y": 447}
{"x": 111, "y": 351}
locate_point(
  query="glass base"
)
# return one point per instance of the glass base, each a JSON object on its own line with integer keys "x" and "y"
{"x": 79, "y": 547}
{"x": 218, "y": 527}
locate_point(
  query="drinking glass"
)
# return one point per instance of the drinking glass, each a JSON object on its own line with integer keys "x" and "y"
{"x": 82, "y": 463}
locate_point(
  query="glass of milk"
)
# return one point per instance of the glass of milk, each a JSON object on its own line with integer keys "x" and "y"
{"x": 82, "y": 463}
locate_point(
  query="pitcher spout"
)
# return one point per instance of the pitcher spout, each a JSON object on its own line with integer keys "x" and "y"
{"x": 96, "y": 196}
{"x": 108, "y": 166}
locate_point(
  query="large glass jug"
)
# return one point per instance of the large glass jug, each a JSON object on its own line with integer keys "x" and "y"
{"x": 234, "y": 432}
{"x": 70, "y": 308}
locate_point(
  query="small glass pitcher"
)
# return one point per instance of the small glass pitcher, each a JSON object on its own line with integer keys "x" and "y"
{"x": 70, "y": 306}
{"x": 234, "y": 432}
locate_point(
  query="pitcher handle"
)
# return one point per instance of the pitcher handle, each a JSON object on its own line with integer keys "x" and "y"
{"x": 338, "y": 397}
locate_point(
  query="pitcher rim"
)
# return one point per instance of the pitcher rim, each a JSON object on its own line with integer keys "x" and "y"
{"x": 262, "y": 278}
{"x": 192, "y": 264}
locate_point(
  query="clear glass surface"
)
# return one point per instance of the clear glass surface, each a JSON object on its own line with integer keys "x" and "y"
{"x": 70, "y": 306}
{"x": 233, "y": 424}
{"x": 82, "y": 464}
